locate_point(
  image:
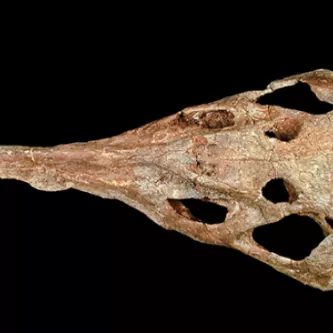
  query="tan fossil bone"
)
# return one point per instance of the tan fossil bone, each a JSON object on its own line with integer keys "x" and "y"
{"x": 216, "y": 152}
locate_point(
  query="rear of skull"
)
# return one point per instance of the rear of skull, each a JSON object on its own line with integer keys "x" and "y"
{"x": 228, "y": 153}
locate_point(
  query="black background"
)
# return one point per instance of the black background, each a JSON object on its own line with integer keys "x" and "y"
{"x": 85, "y": 263}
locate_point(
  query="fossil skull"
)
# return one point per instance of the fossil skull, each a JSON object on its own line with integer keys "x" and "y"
{"x": 218, "y": 152}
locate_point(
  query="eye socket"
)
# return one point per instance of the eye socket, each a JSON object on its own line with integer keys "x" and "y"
{"x": 298, "y": 97}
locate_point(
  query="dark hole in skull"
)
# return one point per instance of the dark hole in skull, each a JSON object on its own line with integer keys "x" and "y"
{"x": 270, "y": 134}
{"x": 294, "y": 236}
{"x": 200, "y": 210}
{"x": 279, "y": 190}
{"x": 329, "y": 221}
{"x": 299, "y": 97}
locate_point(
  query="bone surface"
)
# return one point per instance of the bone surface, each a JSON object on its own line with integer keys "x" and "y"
{"x": 223, "y": 152}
